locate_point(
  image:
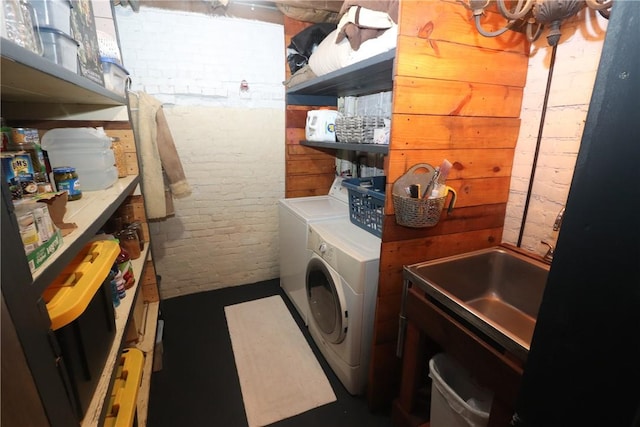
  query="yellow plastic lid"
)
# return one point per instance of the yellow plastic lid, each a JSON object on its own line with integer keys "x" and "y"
{"x": 124, "y": 394}
{"x": 71, "y": 292}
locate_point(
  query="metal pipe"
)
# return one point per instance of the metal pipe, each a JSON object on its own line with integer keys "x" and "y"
{"x": 537, "y": 150}
{"x": 402, "y": 321}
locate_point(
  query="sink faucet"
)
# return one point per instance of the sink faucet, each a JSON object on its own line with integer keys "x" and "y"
{"x": 558, "y": 221}
{"x": 556, "y": 226}
{"x": 549, "y": 255}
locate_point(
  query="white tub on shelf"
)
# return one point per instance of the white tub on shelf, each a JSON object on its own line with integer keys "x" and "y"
{"x": 115, "y": 75}
{"x": 59, "y": 47}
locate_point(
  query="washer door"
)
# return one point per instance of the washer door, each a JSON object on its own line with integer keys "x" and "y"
{"x": 327, "y": 304}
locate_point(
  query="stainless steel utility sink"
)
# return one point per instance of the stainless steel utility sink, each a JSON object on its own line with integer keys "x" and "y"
{"x": 498, "y": 290}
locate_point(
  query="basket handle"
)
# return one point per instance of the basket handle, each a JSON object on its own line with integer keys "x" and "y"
{"x": 454, "y": 197}
{"x": 415, "y": 167}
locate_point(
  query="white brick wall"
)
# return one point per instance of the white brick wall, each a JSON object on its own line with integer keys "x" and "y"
{"x": 574, "y": 73}
{"x": 230, "y": 142}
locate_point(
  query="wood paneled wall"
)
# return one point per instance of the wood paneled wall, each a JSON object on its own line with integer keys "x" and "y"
{"x": 308, "y": 171}
{"x": 456, "y": 95}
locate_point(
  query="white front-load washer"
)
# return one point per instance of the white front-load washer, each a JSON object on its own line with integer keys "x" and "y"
{"x": 295, "y": 214}
{"x": 341, "y": 286}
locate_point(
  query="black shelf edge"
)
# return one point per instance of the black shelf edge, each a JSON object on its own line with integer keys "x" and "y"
{"x": 372, "y": 75}
{"x": 19, "y": 63}
{"x": 367, "y": 148}
{"x": 43, "y": 280}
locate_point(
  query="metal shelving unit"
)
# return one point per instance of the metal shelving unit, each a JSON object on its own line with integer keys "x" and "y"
{"x": 372, "y": 75}
{"x": 365, "y": 148}
{"x": 27, "y": 78}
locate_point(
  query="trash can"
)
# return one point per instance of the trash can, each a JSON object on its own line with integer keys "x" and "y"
{"x": 456, "y": 400}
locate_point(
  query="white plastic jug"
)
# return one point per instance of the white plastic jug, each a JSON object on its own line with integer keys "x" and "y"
{"x": 86, "y": 149}
{"x": 321, "y": 125}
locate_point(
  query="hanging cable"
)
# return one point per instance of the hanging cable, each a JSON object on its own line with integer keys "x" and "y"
{"x": 537, "y": 150}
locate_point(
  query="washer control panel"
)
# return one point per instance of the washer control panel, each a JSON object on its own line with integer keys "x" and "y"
{"x": 322, "y": 248}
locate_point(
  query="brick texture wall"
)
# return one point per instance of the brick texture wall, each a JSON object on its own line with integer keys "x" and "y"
{"x": 229, "y": 141}
{"x": 577, "y": 58}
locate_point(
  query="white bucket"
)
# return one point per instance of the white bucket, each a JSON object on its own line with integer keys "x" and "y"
{"x": 321, "y": 125}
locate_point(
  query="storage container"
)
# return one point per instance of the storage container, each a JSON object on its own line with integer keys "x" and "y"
{"x": 80, "y": 307}
{"x": 60, "y": 48}
{"x": 75, "y": 138}
{"x": 93, "y": 180}
{"x": 456, "y": 400}
{"x": 17, "y": 25}
{"x": 366, "y": 202}
{"x": 321, "y": 125}
{"x": 86, "y": 149}
{"x": 115, "y": 76}
{"x": 53, "y": 13}
{"x": 123, "y": 399}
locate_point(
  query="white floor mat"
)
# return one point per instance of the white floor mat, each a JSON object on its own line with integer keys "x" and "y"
{"x": 279, "y": 375}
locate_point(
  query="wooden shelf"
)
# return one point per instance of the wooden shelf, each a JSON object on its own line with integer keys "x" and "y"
{"x": 89, "y": 213}
{"x": 94, "y": 415}
{"x": 27, "y": 77}
{"x": 372, "y": 75}
{"x": 367, "y": 148}
{"x": 147, "y": 345}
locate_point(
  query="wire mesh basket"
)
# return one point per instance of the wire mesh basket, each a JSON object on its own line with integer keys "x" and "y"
{"x": 357, "y": 129}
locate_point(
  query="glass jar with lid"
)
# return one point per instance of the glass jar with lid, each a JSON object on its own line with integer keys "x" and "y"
{"x": 129, "y": 242}
{"x": 66, "y": 179}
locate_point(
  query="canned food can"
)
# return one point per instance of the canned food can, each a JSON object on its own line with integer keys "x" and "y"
{"x": 19, "y": 135}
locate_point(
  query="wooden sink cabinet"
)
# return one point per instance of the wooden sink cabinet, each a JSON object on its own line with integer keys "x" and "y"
{"x": 430, "y": 329}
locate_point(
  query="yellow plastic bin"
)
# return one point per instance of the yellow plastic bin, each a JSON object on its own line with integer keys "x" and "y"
{"x": 82, "y": 317}
{"x": 456, "y": 400}
{"x": 124, "y": 394}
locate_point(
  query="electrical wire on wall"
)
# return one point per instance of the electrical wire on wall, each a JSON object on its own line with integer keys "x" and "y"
{"x": 539, "y": 139}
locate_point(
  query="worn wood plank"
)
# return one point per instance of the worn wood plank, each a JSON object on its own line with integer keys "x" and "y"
{"x": 452, "y": 61}
{"x": 308, "y": 185}
{"x": 467, "y": 164}
{"x": 405, "y": 252}
{"x": 412, "y": 363}
{"x": 384, "y": 375}
{"x": 315, "y": 166}
{"x": 296, "y": 116}
{"x": 416, "y": 132}
{"x": 452, "y": 98}
{"x": 294, "y": 136}
{"x": 451, "y": 21}
{"x": 471, "y": 218}
{"x": 483, "y": 191}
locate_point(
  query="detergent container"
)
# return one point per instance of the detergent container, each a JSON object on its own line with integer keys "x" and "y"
{"x": 321, "y": 125}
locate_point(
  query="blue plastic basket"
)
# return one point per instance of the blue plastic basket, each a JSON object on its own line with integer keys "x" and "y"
{"x": 366, "y": 202}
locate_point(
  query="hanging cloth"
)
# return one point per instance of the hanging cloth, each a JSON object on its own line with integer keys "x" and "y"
{"x": 158, "y": 157}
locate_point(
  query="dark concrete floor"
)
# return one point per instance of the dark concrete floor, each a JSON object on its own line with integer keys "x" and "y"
{"x": 198, "y": 384}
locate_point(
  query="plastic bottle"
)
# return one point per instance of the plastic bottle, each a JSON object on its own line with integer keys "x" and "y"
{"x": 115, "y": 296}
